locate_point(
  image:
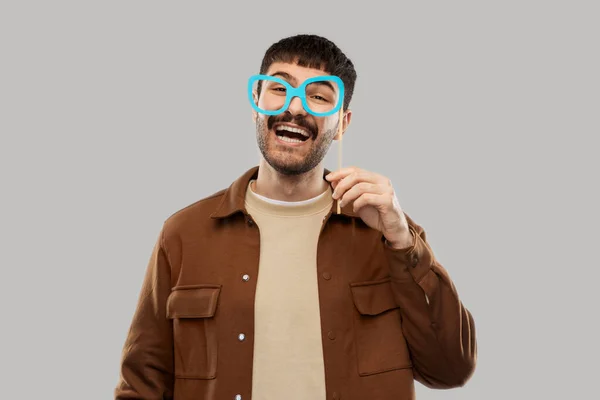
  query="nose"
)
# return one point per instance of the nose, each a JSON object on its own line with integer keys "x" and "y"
{"x": 295, "y": 106}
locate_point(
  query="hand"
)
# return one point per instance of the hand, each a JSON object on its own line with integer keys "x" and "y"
{"x": 375, "y": 202}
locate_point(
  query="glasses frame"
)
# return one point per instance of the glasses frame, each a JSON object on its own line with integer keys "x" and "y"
{"x": 292, "y": 92}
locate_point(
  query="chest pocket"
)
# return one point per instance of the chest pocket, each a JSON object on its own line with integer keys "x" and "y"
{"x": 192, "y": 309}
{"x": 380, "y": 343}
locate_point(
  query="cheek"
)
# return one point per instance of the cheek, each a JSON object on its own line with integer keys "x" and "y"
{"x": 261, "y": 121}
{"x": 326, "y": 124}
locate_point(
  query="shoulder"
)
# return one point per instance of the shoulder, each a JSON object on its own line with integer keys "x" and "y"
{"x": 192, "y": 216}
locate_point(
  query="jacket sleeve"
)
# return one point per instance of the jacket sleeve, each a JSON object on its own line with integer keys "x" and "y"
{"x": 146, "y": 369}
{"x": 439, "y": 330}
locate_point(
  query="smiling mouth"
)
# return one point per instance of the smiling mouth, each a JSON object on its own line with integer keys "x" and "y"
{"x": 291, "y": 134}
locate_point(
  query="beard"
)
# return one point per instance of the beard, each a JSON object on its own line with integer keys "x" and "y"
{"x": 283, "y": 159}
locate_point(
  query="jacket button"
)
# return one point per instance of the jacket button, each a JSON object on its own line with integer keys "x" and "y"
{"x": 241, "y": 337}
{"x": 331, "y": 335}
{"x": 336, "y": 396}
{"x": 238, "y": 397}
{"x": 246, "y": 277}
{"x": 415, "y": 260}
{"x": 326, "y": 275}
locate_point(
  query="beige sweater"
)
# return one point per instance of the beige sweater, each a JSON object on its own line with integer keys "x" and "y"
{"x": 288, "y": 352}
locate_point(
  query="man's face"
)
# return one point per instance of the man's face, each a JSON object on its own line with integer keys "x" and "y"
{"x": 292, "y": 158}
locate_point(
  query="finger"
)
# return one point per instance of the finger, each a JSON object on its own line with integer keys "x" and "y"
{"x": 344, "y": 172}
{"x": 355, "y": 177}
{"x": 380, "y": 201}
{"x": 340, "y": 173}
{"x": 360, "y": 188}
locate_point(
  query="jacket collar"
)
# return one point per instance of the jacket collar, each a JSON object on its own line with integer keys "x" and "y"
{"x": 233, "y": 200}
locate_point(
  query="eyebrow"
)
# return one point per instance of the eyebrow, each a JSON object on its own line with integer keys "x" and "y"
{"x": 293, "y": 80}
{"x": 285, "y": 76}
{"x": 328, "y": 84}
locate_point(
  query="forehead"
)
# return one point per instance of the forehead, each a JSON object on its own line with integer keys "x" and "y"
{"x": 294, "y": 72}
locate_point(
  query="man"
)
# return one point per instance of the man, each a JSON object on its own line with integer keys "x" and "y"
{"x": 264, "y": 291}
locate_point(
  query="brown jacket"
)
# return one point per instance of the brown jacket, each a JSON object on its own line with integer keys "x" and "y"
{"x": 388, "y": 316}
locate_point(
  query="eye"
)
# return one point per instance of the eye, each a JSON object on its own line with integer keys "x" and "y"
{"x": 278, "y": 89}
{"x": 320, "y": 98}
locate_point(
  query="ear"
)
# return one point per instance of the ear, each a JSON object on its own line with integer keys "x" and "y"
{"x": 346, "y": 120}
{"x": 254, "y": 113}
{"x": 345, "y": 123}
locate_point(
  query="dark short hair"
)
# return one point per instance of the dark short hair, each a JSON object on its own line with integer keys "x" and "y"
{"x": 313, "y": 51}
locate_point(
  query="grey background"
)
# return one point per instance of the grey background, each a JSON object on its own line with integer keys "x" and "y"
{"x": 114, "y": 115}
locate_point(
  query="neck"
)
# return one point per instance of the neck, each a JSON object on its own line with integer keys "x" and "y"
{"x": 277, "y": 186}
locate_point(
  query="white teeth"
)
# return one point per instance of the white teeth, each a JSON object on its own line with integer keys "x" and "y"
{"x": 287, "y": 139}
{"x": 289, "y": 128}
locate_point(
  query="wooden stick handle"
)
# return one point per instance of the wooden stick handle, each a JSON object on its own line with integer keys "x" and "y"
{"x": 340, "y": 130}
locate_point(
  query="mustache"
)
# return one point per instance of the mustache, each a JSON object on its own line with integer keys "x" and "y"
{"x": 299, "y": 120}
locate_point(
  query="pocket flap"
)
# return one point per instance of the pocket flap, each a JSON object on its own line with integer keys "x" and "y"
{"x": 373, "y": 297}
{"x": 197, "y": 301}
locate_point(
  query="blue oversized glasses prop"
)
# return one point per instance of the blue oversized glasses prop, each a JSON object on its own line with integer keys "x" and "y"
{"x": 325, "y": 108}
{"x": 323, "y": 102}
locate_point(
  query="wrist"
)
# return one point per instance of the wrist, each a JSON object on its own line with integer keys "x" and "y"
{"x": 402, "y": 242}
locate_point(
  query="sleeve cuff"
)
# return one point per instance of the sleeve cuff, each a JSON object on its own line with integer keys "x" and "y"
{"x": 414, "y": 260}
